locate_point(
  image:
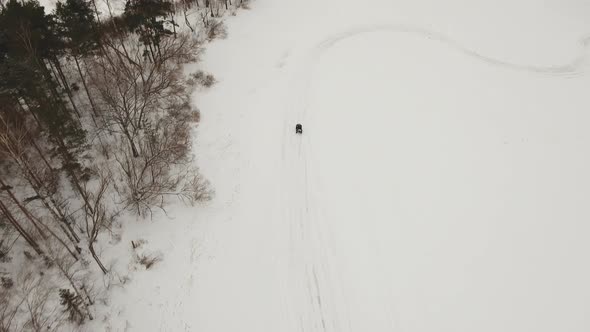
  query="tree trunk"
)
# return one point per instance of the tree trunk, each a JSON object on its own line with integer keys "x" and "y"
{"x": 29, "y": 109}
{"x": 73, "y": 178}
{"x": 36, "y": 147}
{"x": 159, "y": 53}
{"x": 96, "y": 258}
{"x": 188, "y": 23}
{"x": 132, "y": 143}
{"x": 51, "y": 84}
{"x": 96, "y": 14}
{"x": 92, "y": 105}
{"x": 70, "y": 279}
{"x": 21, "y": 230}
{"x": 56, "y": 76}
{"x": 53, "y": 208}
{"x": 35, "y": 222}
{"x": 87, "y": 296}
{"x": 62, "y": 242}
{"x": 152, "y": 52}
{"x": 24, "y": 210}
{"x": 76, "y": 183}
{"x": 66, "y": 85}
{"x": 173, "y": 24}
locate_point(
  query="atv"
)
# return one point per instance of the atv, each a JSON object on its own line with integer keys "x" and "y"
{"x": 298, "y": 129}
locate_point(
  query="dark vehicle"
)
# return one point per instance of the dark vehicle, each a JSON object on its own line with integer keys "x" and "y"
{"x": 298, "y": 129}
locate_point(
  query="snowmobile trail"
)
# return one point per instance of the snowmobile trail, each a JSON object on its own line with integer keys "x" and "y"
{"x": 574, "y": 67}
{"x": 310, "y": 270}
{"x": 315, "y": 294}
{"x": 310, "y": 298}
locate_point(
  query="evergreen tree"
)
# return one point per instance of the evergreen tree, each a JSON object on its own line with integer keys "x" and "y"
{"x": 72, "y": 305}
{"x": 78, "y": 27}
{"x": 29, "y": 40}
{"x": 147, "y": 18}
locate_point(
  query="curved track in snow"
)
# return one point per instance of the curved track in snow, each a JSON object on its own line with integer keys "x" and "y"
{"x": 572, "y": 67}
{"x": 318, "y": 302}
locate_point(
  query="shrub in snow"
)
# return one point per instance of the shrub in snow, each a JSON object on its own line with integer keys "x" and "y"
{"x": 28, "y": 255}
{"x": 4, "y": 257}
{"x": 201, "y": 78}
{"x": 7, "y": 282}
{"x": 148, "y": 260}
{"x": 216, "y": 29}
{"x": 138, "y": 243}
{"x": 196, "y": 116}
{"x": 208, "y": 81}
{"x": 198, "y": 189}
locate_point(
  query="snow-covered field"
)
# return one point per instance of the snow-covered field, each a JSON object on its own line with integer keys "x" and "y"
{"x": 442, "y": 181}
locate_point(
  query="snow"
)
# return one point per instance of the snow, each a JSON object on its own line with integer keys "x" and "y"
{"x": 440, "y": 183}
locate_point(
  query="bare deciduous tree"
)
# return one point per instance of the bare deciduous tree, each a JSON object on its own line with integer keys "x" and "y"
{"x": 42, "y": 315}
{"x": 8, "y": 312}
{"x": 149, "y": 108}
{"x": 99, "y": 218}
{"x": 33, "y": 297}
{"x": 16, "y": 140}
{"x": 135, "y": 90}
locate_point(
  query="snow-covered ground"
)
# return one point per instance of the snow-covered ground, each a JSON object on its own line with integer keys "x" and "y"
{"x": 442, "y": 181}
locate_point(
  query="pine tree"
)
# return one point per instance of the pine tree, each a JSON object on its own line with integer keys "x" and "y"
{"x": 28, "y": 42}
{"x": 77, "y": 27}
{"x": 72, "y": 305}
{"x": 147, "y": 18}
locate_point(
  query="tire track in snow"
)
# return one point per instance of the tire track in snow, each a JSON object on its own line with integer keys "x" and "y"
{"x": 307, "y": 248}
{"x": 312, "y": 302}
{"x": 303, "y": 293}
{"x": 574, "y": 67}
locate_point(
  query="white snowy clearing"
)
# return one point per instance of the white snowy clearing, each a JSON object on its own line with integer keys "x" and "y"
{"x": 441, "y": 183}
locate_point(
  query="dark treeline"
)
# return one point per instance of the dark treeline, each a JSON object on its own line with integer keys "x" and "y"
{"x": 95, "y": 120}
